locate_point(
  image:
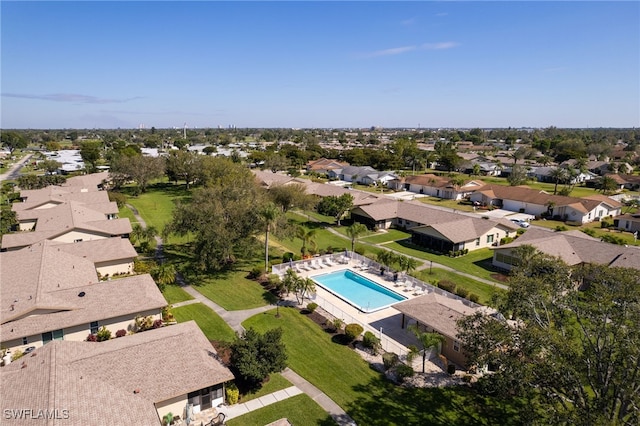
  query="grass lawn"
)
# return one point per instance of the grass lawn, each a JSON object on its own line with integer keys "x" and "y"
{"x": 451, "y": 204}
{"x": 157, "y": 204}
{"x": 299, "y": 410}
{"x": 484, "y": 291}
{"x": 627, "y": 237}
{"x": 385, "y": 237}
{"x": 476, "y": 263}
{"x": 276, "y": 382}
{"x": 174, "y": 294}
{"x": 365, "y": 394}
{"x": 126, "y": 213}
{"x": 209, "y": 322}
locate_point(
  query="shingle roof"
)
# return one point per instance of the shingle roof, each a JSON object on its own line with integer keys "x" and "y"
{"x": 103, "y": 250}
{"x": 438, "y": 312}
{"x": 59, "y": 195}
{"x": 268, "y": 178}
{"x": 113, "y": 382}
{"x": 88, "y": 182}
{"x": 325, "y": 190}
{"x": 576, "y": 247}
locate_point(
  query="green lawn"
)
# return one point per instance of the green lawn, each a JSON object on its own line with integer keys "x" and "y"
{"x": 126, "y": 213}
{"x": 209, "y": 322}
{"x": 484, "y": 291}
{"x": 156, "y": 205}
{"x": 299, "y": 410}
{"x": 174, "y": 294}
{"x": 276, "y": 382}
{"x": 365, "y": 394}
{"x": 385, "y": 237}
{"x": 476, "y": 263}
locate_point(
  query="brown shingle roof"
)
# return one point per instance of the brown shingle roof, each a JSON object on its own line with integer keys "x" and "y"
{"x": 96, "y": 381}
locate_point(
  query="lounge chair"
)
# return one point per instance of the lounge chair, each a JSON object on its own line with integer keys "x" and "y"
{"x": 408, "y": 286}
{"x": 327, "y": 261}
{"x": 317, "y": 263}
{"x": 418, "y": 291}
{"x": 304, "y": 266}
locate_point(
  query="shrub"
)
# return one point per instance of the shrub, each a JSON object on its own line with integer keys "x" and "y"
{"x": 92, "y": 338}
{"x": 605, "y": 224}
{"x": 352, "y": 331}
{"x": 403, "y": 371}
{"x": 390, "y": 360}
{"x": 119, "y": 198}
{"x": 505, "y": 240}
{"x": 103, "y": 334}
{"x": 462, "y": 292}
{"x": 157, "y": 323}
{"x": 447, "y": 285}
{"x": 465, "y": 251}
{"x": 371, "y": 341}
{"x": 337, "y": 324}
{"x": 255, "y": 272}
{"x": 17, "y": 355}
{"x": 560, "y": 228}
{"x": 451, "y": 368}
{"x": 359, "y": 250}
{"x": 613, "y": 239}
{"x": 121, "y": 333}
{"x": 312, "y": 306}
{"x": 474, "y": 297}
{"x": 233, "y": 394}
{"x": 521, "y": 231}
{"x": 589, "y": 231}
{"x": 287, "y": 256}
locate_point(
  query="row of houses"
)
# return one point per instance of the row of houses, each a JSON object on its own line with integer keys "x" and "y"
{"x": 68, "y": 274}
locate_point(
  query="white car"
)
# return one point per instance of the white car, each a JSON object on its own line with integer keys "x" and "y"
{"x": 520, "y": 222}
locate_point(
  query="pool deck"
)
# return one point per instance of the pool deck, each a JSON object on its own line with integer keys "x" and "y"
{"x": 388, "y": 319}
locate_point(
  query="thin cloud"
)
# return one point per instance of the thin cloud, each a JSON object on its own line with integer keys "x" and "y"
{"x": 390, "y": 52}
{"x": 440, "y": 46}
{"x": 408, "y": 22}
{"x": 70, "y": 97}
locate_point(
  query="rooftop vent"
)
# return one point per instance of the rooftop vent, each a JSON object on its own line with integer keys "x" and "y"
{"x": 81, "y": 294}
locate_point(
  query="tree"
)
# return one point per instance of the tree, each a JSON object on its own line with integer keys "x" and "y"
{"x": 8, "y": 221}
{"x": 308, "y": 239}
{"x": 607, "y": 185}
{"x": 426, "y": 340}
{"x": 288, "y": 197}
{"x": 269, "y": 214}
{"x": 13, "y": 141}
{"x": 254, "y": 356}
{"x": 407, "y": 264}
{"x": 518, "y": 176}
{"x": 559, "y": 175}
{"x": 142, "y": 235}
{"x": 164, "y": 274}
{"x": 51, "y": 166}
{"x": 354, "y": 231}
{"x": 336, "y": 206}
{"x": 183, "y": 165}
{"x": 571, "y": 344}
{"x": 139, "y": 168}
{"x": 90, "y": 154}
{"x": 276, "y": 162}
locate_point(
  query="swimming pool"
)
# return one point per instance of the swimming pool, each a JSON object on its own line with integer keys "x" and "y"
{"x": 358, "y": 291}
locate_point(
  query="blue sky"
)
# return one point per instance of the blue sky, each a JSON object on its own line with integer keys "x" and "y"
{"x": 320, "y": 64}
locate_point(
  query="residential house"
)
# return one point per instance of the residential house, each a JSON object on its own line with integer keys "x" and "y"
{"x": 434, "y": 228}
{"x": 573, "y": 247}
{"x": 364, "y": 175}
{"x": 323, "y": 165}
{"x": 52, "y": 291}
{"x": 435, "y": 313}
{"x": 267, "y": 179}
{"x": 539, "y": 203}
{"x": 437, "y": 186}
{"x": 120, "y": 381}
{"x": 628, "y": 222}
{"x": 68, "y": 222}
{"x": 325, "y": 190}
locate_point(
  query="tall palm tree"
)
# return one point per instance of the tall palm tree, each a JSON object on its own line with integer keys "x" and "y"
{"x": 164, "y": 274}
{"x": 354, "y": 231}
{"x": 426, "y": 340}
{"x": 306, "y": 286}
{"x": 269, "y": 214}
{"x": 407, "y": 264}
{"x": 559, "y": 174}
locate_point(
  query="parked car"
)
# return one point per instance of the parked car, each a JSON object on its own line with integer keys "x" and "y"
{"x": 520, "y": 222}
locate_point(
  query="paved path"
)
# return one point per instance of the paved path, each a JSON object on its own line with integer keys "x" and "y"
{"x": 235, "y": 319}
{"x": 14, "y": 171}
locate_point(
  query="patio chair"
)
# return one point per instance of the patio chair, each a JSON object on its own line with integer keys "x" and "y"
{"x": 327, "y": 261}
{"x": 418, "y": 291}
{"x": 304, "y": 266}
{"x": 408, "y": 286}
{"x": 318, "y": 264}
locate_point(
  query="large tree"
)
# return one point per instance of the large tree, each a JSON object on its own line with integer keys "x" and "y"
{"x": 139, "y": 168}
{"x": 291, "y": 197}
{"x": 183, "y": 165}
{"x": 13, "y": 141}
{"x": 336, "y": 206}
{"x": 567, "y": 340}
{"x": 354, "y": 231}
{"x": 255, "y": 356}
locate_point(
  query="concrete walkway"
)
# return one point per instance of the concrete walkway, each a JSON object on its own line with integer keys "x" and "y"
{"x": 235, "y": 319}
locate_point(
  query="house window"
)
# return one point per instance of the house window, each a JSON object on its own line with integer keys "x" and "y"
{"x": 52, "y": 335}
{"x": 477, "y": 241}
{"x": 94, "y": 327}
{"x": 599, "y": 213}
{"x": 456, "y": 346}
{"x": 489, "y": 238}
{"x": 77, "y": 240}
{"x": 25, "y": 341}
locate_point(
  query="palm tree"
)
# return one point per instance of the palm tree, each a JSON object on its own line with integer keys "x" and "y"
{"x": 558, "y": 175}
{"x": 427, "y": 341}
{"x": 354, "y": 231}
{"x": 307, "y": 236}
{"x": 407, "y": 264}
{"x": 306, "y": 286}
{"x": 269, "y": 215}
{"x": 164, "y": 274}
{"x": 608, "y": 184}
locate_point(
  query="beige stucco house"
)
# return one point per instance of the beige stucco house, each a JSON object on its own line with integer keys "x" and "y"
{"x": 132, "y": 380}
{"x": 436, "y": 186}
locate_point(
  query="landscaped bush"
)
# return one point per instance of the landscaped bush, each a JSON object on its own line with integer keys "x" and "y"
{"x": 560, "y": 228}
{"x": 337, "y": 324}
{"x": 312, "y": 306}
{"x": 352, "y": 331}
{"x": 255, "y": 272}
{"x": 403, "y": 371}
{"x": 462, "y": 292}
{"x": 474, "y": 297}
{"x": 390, "y": 360}
{"x": 360, "y": 250}
{"x": 505, "y": 240}
{"x": 121, "y": 333}
{"x": 233, "y": 394}
{"x": 92, "y": 338}
{"x": 605, "y": 224}
{"x": 370, "y": 341}
{"x": 17, "y": 355}
{"x": 447, "y": 285}
{"x": 157, "y": 323}
{"x": 103, "y": 334}
{"x": 589, "y": 231}
{"x": 117, "y": 197}
{"x": 613, "y": 239}
{"x": 521, "y": 231}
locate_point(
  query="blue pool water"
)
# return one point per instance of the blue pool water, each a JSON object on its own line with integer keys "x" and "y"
{"x": 358, "y": 291}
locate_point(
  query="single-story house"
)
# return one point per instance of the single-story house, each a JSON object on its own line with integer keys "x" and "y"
{"x": 435, "y": 313}
{"x": 119, "y": 381}
{"x": 267, "y": 178}
{"x": 48, "y": 292}
{"x": 538, "y": 203}
{"x": 628, "y": 222}
{"x": 53, "y": 196}
{"x": 436, "y": 186}
{"x": 325, "y": 190}
{"x": 365, "y": 175}
{"x": 573, "y": 247}
{"x": 324, "y": 165}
